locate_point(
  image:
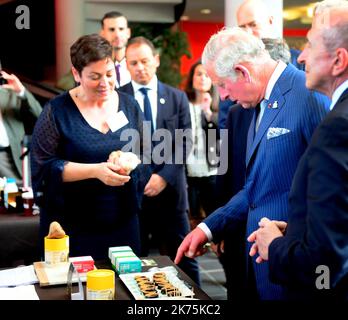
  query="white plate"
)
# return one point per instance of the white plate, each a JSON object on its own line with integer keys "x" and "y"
{"x": 131, "y": 284}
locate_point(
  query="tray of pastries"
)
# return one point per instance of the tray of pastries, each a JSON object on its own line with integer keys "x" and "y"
{"x": 156, "y": 285}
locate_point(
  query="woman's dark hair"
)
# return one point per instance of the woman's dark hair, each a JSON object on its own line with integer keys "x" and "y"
{"x": 87, "y": 49}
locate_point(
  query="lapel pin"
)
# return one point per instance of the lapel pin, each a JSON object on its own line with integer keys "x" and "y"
{"x": 162, "y": 101}
{"x": 275, "y": 105}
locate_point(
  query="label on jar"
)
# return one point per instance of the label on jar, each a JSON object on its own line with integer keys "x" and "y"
{"x": 54, "y": 257}
{"x": 107, "y": 294}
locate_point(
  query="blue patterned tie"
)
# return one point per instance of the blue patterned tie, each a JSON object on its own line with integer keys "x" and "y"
{"x": 259, "y": 113}
{"x": 147, "y": 107}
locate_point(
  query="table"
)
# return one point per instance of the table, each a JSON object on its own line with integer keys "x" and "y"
{"x": 122, "y": 293}
{"x": 19, "y": 239}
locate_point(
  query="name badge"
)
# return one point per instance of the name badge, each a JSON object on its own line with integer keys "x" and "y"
{"x": 117, "y": 122}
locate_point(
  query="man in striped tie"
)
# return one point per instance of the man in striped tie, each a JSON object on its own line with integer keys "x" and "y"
{"x": 114, "y": 28}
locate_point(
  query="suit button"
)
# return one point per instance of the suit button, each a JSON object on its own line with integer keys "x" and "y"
{"x": 211, "y": 149}
{"x": 253, "y": 206}
{"x": 210, "y": 125}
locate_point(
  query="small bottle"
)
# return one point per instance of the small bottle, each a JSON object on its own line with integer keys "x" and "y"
{"x": 10, "y": 191}
{"x": 28, "y": 201}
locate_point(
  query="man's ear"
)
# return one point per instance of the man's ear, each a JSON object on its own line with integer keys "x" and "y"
{"x": 158, "y": 60}
{"x": 340, "y": 63}
{"x": 76, "y": 75}
{"x": 243, "y": 72}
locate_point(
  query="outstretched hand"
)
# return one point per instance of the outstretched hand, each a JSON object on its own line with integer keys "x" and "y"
{"x": 192, "y": 246}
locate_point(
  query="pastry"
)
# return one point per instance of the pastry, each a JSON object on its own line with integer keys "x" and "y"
{"x": 127, "y": 161}
{"x": 56, "y": 231}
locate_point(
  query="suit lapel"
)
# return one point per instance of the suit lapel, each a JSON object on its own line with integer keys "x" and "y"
{"x": 275, "y": 105}
{"x": 162, "y": 103}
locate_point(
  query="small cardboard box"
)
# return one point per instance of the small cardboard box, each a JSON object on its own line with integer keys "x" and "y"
{"x": 82, "y": 264}
{"x": 119, "y": 249}
{"x": 123, "y": 254}
{"x": 128, "y": 265}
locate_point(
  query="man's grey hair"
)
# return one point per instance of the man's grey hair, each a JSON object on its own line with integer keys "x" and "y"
{"x": 231, "y": 46}
{"x": 335, "y": 34}
{"x": 278, "y": 49}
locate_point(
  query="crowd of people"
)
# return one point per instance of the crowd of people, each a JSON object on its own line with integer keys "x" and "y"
{"x": 271, "y": 194}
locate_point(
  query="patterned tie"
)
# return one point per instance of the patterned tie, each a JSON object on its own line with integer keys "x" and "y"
{"x": 147, "y": 107}
{"x": 260, "y": 109}
{"x": 118, "y": 75}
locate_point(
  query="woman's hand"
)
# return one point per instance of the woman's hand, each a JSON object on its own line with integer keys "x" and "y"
{"x": 106, "y": 172}
{"x": 205, "y": 105}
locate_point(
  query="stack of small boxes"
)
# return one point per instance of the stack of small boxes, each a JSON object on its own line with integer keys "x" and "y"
{"x": 124, "y": 260}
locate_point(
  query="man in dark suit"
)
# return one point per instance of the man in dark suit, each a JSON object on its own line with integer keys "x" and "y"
{"x": 311, "y": 254}
{"x": 165, "y": 206}
{"x": 243, "y": 70}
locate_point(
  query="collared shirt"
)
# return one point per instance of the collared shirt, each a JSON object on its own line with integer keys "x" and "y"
{"x": 4, "y": 141}
{"x": 281, "y": 66}
{"x": 152, "y": 94}
{"x": 124, "y": 73}
{"x": 338, "y": 92}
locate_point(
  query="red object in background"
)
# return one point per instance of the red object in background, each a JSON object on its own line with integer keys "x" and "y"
{"x": 295, "y": 32}
{"x": 198, "y": 34}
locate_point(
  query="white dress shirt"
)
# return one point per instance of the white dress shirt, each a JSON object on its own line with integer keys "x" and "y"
{"x": 4, "y": 141}
{"x": 125, "y": 76}
{"x": 281, "y": 66}
{"x": 152, "y": 94}
{"x": 338, "y": 92}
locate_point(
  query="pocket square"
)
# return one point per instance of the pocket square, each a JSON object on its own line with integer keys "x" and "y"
{"x": 276, "y": 132}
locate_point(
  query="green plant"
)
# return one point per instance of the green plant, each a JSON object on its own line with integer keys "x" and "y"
{"x": 172, "y": 45}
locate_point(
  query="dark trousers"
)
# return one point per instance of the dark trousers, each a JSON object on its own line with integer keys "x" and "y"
{"x": 201, "y": 193}
{"x": 167, "y": 226}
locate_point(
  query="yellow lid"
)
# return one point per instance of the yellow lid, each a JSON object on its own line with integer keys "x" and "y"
{"x": 57, "y": 244}
{"x": 100, "y": 279}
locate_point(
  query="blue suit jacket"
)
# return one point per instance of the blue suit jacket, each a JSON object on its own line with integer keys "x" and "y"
{"x": 172, "y": 113}
{"x": 271, "y": 164}
{"x": 318, "y": 216}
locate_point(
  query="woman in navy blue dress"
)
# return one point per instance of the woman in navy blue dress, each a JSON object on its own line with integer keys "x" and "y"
{"x": 73, "y": 182}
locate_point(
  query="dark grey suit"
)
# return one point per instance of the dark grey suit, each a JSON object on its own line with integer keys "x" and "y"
{"x": 19, "y": 116}
{"x": 166, "y": 215}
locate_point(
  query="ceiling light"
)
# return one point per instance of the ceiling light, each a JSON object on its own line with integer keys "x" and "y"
{"x": 205, "y": 11}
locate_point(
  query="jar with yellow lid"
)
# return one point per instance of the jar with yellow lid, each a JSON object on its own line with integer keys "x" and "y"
{"x": 56, "y": 250}
{"x": 101, "y": 285}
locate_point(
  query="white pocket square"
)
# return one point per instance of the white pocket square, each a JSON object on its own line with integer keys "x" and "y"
{"x": 276, "y": 132}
